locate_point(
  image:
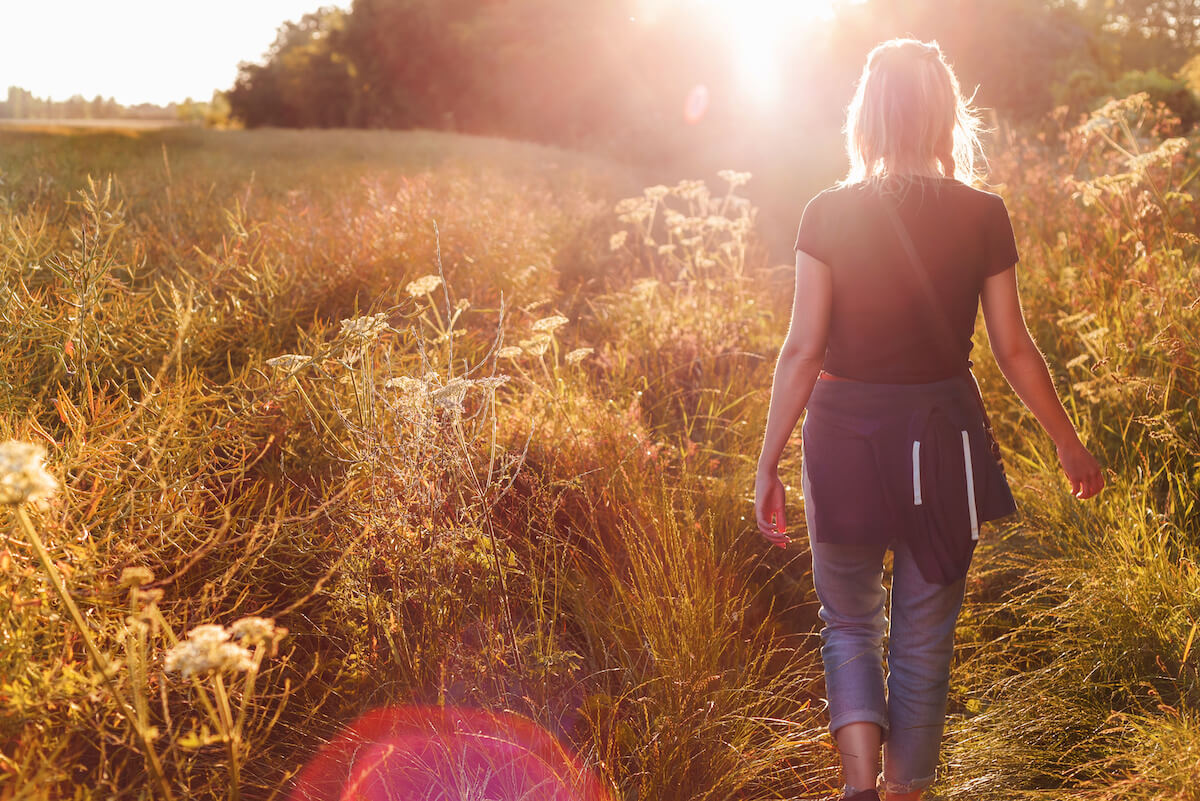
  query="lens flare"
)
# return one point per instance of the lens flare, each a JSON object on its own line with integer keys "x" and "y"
{"x": 695, "y": 104}
{"x": 416, "y": 752}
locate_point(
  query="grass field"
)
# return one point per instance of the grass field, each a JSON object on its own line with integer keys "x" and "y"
{"x": 476, "y": 422}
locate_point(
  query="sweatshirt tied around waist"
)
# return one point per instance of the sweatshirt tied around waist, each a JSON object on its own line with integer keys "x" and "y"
{"x": 908, "y": 461}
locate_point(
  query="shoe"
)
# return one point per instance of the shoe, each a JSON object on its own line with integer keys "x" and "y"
{"x": 865, "y": 795}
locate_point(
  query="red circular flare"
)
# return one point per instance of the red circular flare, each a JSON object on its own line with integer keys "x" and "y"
{"x": 444, "y": 752}
{"x": 695, "y": 104}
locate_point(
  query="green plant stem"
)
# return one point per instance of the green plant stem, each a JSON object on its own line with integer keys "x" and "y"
{"x": 232, "y": 737}
{"x": 97, "y": 657}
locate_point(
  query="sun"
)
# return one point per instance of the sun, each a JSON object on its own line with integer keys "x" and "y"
{"x": 757, "y": 31}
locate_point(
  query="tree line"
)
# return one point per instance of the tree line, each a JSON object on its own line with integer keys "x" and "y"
{"x": 20, "y": 104}
{"x": 589, "y": 73}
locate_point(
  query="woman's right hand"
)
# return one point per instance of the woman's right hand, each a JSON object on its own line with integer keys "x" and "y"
{"x": 1082, "y": 469}
{"x": 768, "y": 507}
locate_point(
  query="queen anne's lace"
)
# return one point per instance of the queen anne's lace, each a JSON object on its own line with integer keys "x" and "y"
{"x": 23, "y": 478}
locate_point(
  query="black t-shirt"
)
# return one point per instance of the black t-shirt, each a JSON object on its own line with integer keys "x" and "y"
{"x": 884, "y": 325}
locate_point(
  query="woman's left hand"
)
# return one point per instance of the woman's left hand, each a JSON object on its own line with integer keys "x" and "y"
{"x": 768, "y": 507}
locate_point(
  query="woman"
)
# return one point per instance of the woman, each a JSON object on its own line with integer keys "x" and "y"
{"x": 891, "y": 267}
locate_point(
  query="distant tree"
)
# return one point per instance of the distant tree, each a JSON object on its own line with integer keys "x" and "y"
{"x": 306, "y": 79}
{"x": 1157, "y": 32}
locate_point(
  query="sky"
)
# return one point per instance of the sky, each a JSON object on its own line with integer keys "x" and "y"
{"x": 137, "y": 51}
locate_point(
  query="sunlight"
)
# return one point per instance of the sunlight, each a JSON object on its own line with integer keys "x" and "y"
{"x": 757, "y": 31}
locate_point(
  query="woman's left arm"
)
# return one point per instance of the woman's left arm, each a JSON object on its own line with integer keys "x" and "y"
{"x": 796, "y": 371}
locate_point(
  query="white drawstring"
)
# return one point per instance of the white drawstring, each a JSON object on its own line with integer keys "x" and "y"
{"x": 917, "y": 472}
{"x": 970, "y": 486}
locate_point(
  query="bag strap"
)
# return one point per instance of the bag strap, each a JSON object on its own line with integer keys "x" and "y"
{"x": 939, "y": 314}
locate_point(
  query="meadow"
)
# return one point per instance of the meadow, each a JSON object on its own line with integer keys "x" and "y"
{"x": 358, "y": 421}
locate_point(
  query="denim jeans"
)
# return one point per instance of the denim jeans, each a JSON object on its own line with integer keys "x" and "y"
{"x": 910, "y": 703}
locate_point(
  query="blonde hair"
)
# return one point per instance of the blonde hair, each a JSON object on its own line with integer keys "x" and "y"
{"x": 908, "y": 118}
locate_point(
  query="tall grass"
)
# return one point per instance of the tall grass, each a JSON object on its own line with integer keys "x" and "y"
{"x": 380, "y": 412}
{"x": 1080, "y": 676}
{"x": 477, "y": 430}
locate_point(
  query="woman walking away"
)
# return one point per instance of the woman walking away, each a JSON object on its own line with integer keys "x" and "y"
{"x": 891, "y": 267}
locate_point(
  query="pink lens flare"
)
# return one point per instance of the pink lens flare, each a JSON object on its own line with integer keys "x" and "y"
{"x": 696, "y": 104}
{"x": 430, "y": 752}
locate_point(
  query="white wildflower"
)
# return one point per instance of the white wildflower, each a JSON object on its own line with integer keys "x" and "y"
{"x": 406, "y": 384}
{"x": 489, "y": 383}
{"x": 289, "y": 362}
{"x": 135, "y": 577}
{"x": 536, "y": 346}
{"x": 509, "y": 352}
{"x": 665, "y": 250}
{"x": 423, "y": 285}
{"x": 206, "y": 650}
{"x": 735, "y": 179}
{"x": 644, "y": 287}
{"x": 549, "y": 324}
{"x": 628, "y": 205}
{"x": 617, "y": 240}
{"x": 577, "y": 355}
{"x": 364, "y": 329}
{"x": 451, "y": 395}
{"x": 23, "y": 479}
{"x": 656, "y": 192}
{"x": 253, "y": 630}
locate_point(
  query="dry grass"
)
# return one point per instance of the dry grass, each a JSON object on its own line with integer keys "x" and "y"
{"x": 418, "y": 399}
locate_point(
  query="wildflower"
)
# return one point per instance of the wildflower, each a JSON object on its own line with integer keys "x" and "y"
{"x": 406, "y": 384}
{"x": 644, "y": 287}
{"x": 735, "y": 179}
{"x": 509, "y": 352}
{"x": 451, "y": 395}
{"x": 536, "y": 346}
{"x": 656, "y": 192}
{"x": 490, "y": 383}
{"x": 207, "y": 650}
{"x": 423, "y": 285}
{"x": 23, "y": 479}
{"x": 628, "y": 205}
{"x": 135, "y": 577}
{"x": 289, "y": 362}
{"x": 664, "y": 250}
{"x": 617, "y": 240}
{"x": 364, "y": 329}
{"x": 549, "y": 324}
{"x": 577, "y": 355}
{"x": 253, "y": 630}
{"x": 692, "y": 190}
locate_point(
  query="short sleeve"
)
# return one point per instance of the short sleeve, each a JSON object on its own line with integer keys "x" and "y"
{"x": 813, "y": 237}
{"x": 1000, "y": 244}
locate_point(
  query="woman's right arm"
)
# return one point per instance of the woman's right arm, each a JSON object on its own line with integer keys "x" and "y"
{"x": 1025, "y": 369}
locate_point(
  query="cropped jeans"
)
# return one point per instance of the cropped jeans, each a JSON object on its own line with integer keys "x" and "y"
{"x": 910, "y": 703}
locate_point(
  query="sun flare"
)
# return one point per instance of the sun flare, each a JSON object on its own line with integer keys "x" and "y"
{"x": 757, "y": 30}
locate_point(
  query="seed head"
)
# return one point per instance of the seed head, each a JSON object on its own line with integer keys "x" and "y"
{"x": 423, "y": 285}
{"x": 207, "y": 650}
{"x": 23, "y": 478}
{"x": 549, "y": 324}
{"x": 257, "y": 631}
{"x": 135, "y": 577}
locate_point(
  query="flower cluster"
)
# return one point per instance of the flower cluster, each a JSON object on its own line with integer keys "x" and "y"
{"x": 23, "y": 478}
{"x": 430, "y": 391}
{"x": 207, "y": 649}
{"x": 689, "y": 232}
{"x": 255, "y": 631}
